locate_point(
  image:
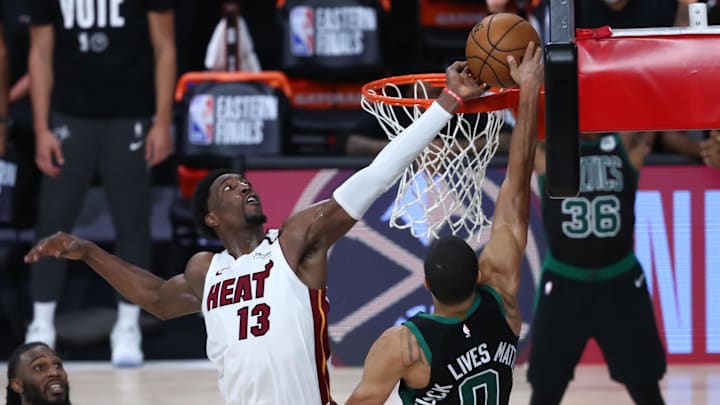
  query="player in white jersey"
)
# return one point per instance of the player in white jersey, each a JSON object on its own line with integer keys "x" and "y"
{"x": 263, "y": 297}
{"x": 252, "y": 306}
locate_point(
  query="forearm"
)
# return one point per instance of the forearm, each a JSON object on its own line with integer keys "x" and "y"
{"x": 523, "y": 141}
{"x": 41, "y": 82}
{"x": 135, "y": 284}
{"x": 165, "y": 72}
{"x": 357, "y": 193}
{"x": 513, "y": 202}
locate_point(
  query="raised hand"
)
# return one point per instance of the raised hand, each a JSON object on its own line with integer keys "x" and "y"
{"x": 59, "y": 245}
{"x": 459, "y": 80}
{"x": 530, "y": 71}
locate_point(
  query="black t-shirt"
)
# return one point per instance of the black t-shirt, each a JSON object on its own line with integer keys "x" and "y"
{"x": 103, "y": 61}
{"x": 635, "y": 14}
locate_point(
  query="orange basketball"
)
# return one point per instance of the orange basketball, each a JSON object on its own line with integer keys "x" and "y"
{"x": 491, "y": 41}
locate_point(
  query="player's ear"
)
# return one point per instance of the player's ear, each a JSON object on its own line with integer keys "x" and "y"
{"x": 16, "y": 385}
{"x": 210, "y": 220}
{"x": 425, "y": 283}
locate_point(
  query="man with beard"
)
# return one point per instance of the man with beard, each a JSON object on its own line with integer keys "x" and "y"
{"x": 263, "y": 298}
{"x": 36, "y": 377}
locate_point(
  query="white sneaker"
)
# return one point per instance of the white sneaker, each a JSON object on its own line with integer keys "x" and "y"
{"x": 41, "y": 332}
{"x": 125, "y": 341}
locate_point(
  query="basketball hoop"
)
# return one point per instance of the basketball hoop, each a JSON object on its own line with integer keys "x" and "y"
{"x": 443, "y": 186}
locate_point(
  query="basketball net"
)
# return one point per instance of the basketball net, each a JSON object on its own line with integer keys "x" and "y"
{"x": 443, "y": 186}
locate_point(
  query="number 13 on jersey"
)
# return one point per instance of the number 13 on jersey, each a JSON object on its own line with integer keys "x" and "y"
{"x": 261, "y": 315}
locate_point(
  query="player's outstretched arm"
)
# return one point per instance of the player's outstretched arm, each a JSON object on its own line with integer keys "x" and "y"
{"x": 318, "y": 227}
{"x": 501, "y": 259}
{"x": 181, "y": 295}
{"x": 389, "y": 358}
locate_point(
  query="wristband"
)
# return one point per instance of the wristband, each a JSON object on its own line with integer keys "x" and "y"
{"x": 454, "y": 95}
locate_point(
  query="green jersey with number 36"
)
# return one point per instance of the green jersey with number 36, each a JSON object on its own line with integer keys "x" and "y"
{"x": 595, "y": 229}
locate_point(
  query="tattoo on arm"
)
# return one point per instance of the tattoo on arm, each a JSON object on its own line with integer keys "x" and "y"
{"x": 410, "y": 350}
{"x": 409, "y": 354}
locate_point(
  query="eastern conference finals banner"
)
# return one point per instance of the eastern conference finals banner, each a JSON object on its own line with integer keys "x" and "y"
{"x": 376, "y": 274}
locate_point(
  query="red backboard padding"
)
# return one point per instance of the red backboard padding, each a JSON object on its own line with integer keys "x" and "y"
{"x": 657, "y": 82}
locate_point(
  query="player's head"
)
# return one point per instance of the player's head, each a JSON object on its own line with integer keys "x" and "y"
{"x": 36, "y": 376}
{"x": 451, "y": 270}
{"x": 225, "y": 197}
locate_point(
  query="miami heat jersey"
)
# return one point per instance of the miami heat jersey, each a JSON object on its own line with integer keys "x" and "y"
{"x": 266, "y": 330}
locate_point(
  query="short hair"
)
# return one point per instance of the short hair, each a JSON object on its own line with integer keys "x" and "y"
{"x": 451, "y": 270}
{"x": 200, "y": 201}
{"x": 12, "y": 397}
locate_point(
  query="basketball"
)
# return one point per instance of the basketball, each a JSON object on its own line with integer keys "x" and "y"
{"x": 491, "y": 41}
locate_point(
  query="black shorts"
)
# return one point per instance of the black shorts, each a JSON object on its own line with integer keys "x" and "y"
{"x": 618, "y": 313}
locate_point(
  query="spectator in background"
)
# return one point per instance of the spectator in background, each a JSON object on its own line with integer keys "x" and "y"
{"x": 627, "y": 13}
{"x": 36, "y": 377}
{"x": 643, "y": 14}
{"x": 96, "y": 80}
{"x": 17, "y": 38}
{"x": 232, "y": 27}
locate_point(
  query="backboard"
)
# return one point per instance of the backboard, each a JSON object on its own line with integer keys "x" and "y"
{"x": 605, "y": 79}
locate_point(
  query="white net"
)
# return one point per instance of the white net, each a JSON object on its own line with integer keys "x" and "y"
{"x": 443, "y": 187}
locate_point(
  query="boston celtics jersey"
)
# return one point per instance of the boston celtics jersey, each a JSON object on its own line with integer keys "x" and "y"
{"x": 471, "y": 357}
{"x": 594, "y": 231}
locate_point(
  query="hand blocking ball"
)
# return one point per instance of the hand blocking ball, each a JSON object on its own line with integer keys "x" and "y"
{"x": 491, "y": 41}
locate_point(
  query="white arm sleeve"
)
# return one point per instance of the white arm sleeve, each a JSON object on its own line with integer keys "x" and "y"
{"x": 358, "y": 192}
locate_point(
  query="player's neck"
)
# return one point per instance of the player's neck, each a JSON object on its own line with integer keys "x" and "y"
{"x": 243, "y": 241}
{"x": 454, "y": 310}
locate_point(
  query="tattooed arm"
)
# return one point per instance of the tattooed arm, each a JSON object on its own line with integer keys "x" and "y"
{"x": 395, "y": 355}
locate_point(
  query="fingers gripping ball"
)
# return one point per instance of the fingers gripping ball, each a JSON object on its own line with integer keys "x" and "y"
{"x": 491, "y": 41}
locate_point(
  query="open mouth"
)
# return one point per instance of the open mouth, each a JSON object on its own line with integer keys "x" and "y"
{"x": 56, "y": 388}
{"x": 252, "y": 200}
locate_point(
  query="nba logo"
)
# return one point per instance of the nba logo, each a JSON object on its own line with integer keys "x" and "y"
{"x": 302, "y": 31}
{"x": 202, "y": 126}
